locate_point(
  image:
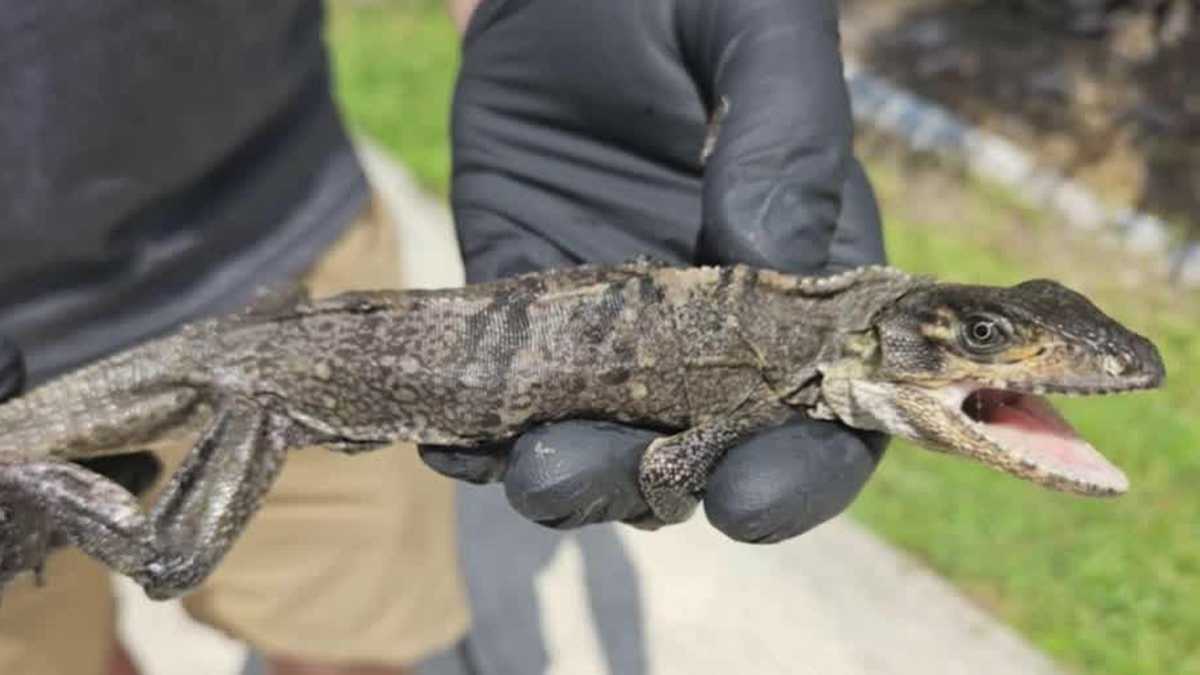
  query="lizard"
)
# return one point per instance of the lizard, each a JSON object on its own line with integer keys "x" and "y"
{"x": 706, "y": 355}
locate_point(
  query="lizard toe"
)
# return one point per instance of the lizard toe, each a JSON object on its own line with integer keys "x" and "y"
{"x": 26, "y": 538}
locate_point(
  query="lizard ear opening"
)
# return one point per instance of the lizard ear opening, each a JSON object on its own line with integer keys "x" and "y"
{"x": 863, "y": 346}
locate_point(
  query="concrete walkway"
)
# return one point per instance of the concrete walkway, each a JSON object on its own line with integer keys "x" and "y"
{"x": 682, "y": 600}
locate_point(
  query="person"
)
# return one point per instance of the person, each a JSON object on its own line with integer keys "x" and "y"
{"x": 163, "y": 160}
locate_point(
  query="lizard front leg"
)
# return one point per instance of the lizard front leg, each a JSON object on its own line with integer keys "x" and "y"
{"x": 208, "y": 501}
{"x": 674, "y": 469}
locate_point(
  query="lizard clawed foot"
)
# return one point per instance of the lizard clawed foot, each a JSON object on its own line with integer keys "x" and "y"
{"x": 669, "y": 507}
{"x": 669, "y": 482}
{"x": 27, "y": 532}
{"x": 674, "y": 469}
{"x": 646, "y": 521}
{"x": 26, "y": 538}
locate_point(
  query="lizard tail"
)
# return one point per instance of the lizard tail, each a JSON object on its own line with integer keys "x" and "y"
{"x": 104, "y": 408}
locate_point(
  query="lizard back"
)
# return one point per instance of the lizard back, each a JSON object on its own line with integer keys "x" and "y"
{"x": 478, "y": 364}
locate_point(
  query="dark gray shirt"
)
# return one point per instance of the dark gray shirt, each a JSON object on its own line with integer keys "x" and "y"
{"x": 158, "y": 160}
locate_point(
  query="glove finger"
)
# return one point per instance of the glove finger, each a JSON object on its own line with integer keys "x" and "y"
{"x": 858, "y": 239}
{"x": 576, "y": 473}
{"x": 479, "y": 464}
{"x": 495, "y": 246}
{"x": 787, "y": 480}
{"x": 773, "y": 183}
{"x": 595, "y": 156}
{"x": 12, "y": 369}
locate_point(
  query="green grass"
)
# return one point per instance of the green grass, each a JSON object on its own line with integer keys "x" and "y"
{"x": 394, "y": 63}
{"x": 1103, "y": 586}
{"x": 1107, "y": 586}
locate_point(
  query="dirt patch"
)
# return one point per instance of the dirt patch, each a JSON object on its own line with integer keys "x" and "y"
{"x": 1118, "y": 110}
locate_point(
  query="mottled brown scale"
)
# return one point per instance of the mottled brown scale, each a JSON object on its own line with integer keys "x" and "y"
{"x": 657, "y": 347}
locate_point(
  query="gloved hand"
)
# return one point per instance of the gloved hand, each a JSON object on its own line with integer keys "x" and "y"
{"x": 696, "y": 131}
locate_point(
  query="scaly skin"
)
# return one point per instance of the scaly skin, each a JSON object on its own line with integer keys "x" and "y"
{"x": 710, "y": 355}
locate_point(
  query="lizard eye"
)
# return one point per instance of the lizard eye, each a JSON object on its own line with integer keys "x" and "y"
{"x": 984, "y": 334}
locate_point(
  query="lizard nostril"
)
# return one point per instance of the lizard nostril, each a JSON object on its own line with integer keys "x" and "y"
{"x": 1150, "y": 360}
{"x": 1115, "y": 365}
{"x": 1140, "y": 359}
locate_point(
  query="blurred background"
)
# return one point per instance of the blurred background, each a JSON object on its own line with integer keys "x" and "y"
{"x": 1102, "y": 95}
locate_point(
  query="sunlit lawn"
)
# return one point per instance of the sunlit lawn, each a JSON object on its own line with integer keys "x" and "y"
{"x": 1104, "y": 586}
{"x": 1112, "y": 586}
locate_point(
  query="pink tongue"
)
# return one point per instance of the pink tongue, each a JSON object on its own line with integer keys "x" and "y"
{"x": 1032, "y": 414}
{"x": 1029, "y": 427}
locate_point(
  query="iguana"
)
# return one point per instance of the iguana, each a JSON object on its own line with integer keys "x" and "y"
{"x": 708, "y": 355}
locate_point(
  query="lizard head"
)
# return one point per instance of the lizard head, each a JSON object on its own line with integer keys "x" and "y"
{"x": 961, "y": 369}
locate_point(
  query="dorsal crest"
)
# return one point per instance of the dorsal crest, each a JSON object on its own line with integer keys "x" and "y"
{"x": 873, "y": 275}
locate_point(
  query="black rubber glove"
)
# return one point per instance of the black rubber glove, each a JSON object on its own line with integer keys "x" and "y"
{"x": 580, "y": 133}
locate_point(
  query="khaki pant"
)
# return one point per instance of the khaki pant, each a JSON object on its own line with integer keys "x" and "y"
{"x": 352, "y": 558}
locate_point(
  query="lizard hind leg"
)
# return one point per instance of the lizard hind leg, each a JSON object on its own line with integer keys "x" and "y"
{"x": 43, "y": 501}
{"x": 28, "y": 488}
{"x": 207, "y": 503}
{"x": 212, "y": 496}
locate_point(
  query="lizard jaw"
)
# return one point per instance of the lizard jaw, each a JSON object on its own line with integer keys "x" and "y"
{"x": 1005, "y": 425}
{"x": 1026, "y": 436}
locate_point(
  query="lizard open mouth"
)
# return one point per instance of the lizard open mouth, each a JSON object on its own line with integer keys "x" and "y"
{"x": 1028, "y": 428}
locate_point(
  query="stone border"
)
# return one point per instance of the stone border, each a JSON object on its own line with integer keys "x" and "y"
{"x": 926, "y": 126}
